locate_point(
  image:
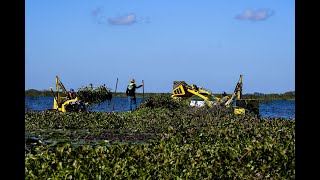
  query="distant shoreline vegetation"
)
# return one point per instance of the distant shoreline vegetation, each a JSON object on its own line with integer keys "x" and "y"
{"x": 290, "y": 95}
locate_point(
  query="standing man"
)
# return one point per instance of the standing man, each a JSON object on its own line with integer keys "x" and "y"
{"x": 131, "y": 93}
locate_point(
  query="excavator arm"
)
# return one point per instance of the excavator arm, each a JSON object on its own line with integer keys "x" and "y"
{"x": 59, "y": 86}
{"x": 242, "y": 105}
{"x": 236, "y": 93}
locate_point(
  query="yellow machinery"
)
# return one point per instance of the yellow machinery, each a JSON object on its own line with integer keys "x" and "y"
{"x": 242, "y": 105}
{"x": 182, "y": 90}
{"x": 62, "y": 103}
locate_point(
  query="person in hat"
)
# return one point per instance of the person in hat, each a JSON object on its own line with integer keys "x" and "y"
{"x": 131, "y": 94}
{"x": 224, "y": 98}
{"x": 224, "y": 94}
{"x": 71, "y": 94}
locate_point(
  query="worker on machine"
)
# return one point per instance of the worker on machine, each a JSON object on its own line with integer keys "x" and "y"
{"x": 131, "y": 94}
{"x": 224, "y": 94}
{"x": 224, "y": 98}
{"x": 71, "y": 94}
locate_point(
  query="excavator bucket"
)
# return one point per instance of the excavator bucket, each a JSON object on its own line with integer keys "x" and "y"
{"x": 180, "y": 89}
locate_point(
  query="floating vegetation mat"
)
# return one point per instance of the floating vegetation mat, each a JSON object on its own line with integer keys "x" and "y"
{"x": 158, "y": 143}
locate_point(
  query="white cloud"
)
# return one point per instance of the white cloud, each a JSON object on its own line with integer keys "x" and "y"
{"x": 252, "y": 15}
{"x": 123, "y": 20}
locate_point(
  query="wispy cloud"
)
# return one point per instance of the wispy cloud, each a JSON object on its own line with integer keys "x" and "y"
{"x": 123, "y": 20}
{"x": 255, "y": 15}
{"x": 97, "y": 12}
{"x": 127, "y": 19}
{"x": 98, "y": 16}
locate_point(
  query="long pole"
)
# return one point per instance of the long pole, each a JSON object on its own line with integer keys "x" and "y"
{"x": 116, "y": 86}
{"x": 115, "y": 93}
{"x": 142, "y": 90}
{"x": 53, "y": 94}
{"x": 55, "y": 98}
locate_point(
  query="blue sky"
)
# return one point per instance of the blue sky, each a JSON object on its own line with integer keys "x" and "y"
{"x": 208, "y": 43}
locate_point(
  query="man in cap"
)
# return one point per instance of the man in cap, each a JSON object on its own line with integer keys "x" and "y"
{"x": 71, "y": 94}
{"x": 131, "y": 93}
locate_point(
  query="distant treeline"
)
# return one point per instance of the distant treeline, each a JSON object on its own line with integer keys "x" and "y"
{"x": 284, "y": 96}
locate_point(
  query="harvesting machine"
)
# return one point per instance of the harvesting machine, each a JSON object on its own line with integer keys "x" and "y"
{"x": 61, "y": 101}
{"x": 182, "y": 90}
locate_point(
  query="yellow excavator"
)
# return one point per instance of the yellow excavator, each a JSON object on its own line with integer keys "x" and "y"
{"x": 62, "y": 103}
{"x": 182, "y": 90}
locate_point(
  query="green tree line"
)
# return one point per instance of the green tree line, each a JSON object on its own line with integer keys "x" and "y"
{"x": 290, "y": 95}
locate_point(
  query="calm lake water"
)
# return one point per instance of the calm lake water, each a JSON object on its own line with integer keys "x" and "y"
{"x": 272, "y": 108}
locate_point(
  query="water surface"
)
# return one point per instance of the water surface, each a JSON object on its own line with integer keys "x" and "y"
{"x": 270, "y": 108}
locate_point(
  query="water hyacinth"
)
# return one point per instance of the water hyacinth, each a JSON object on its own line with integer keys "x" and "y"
{"x": 163, "y": 101}
{"x": 94, "y": 95}
{"x": 160, "y": 140}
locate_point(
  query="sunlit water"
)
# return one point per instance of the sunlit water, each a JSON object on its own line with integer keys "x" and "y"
{"x": 269, "y": 109}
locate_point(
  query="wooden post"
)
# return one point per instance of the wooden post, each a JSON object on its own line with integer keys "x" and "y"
{"x": 142, "y": 90}
{"x": 114, "y": 94}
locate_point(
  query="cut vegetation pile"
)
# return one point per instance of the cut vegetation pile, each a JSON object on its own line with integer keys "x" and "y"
{"x": 94, "y": 95}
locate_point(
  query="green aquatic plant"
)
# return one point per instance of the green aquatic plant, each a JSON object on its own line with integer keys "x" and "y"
{"x": 228, "y": 149}
{"x": 158, "y": 142}
{"x": 163, "y": 101}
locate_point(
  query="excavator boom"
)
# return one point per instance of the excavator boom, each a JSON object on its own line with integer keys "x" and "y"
{"x": 236, "y": 93}
{"x": 59, "y": 86}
